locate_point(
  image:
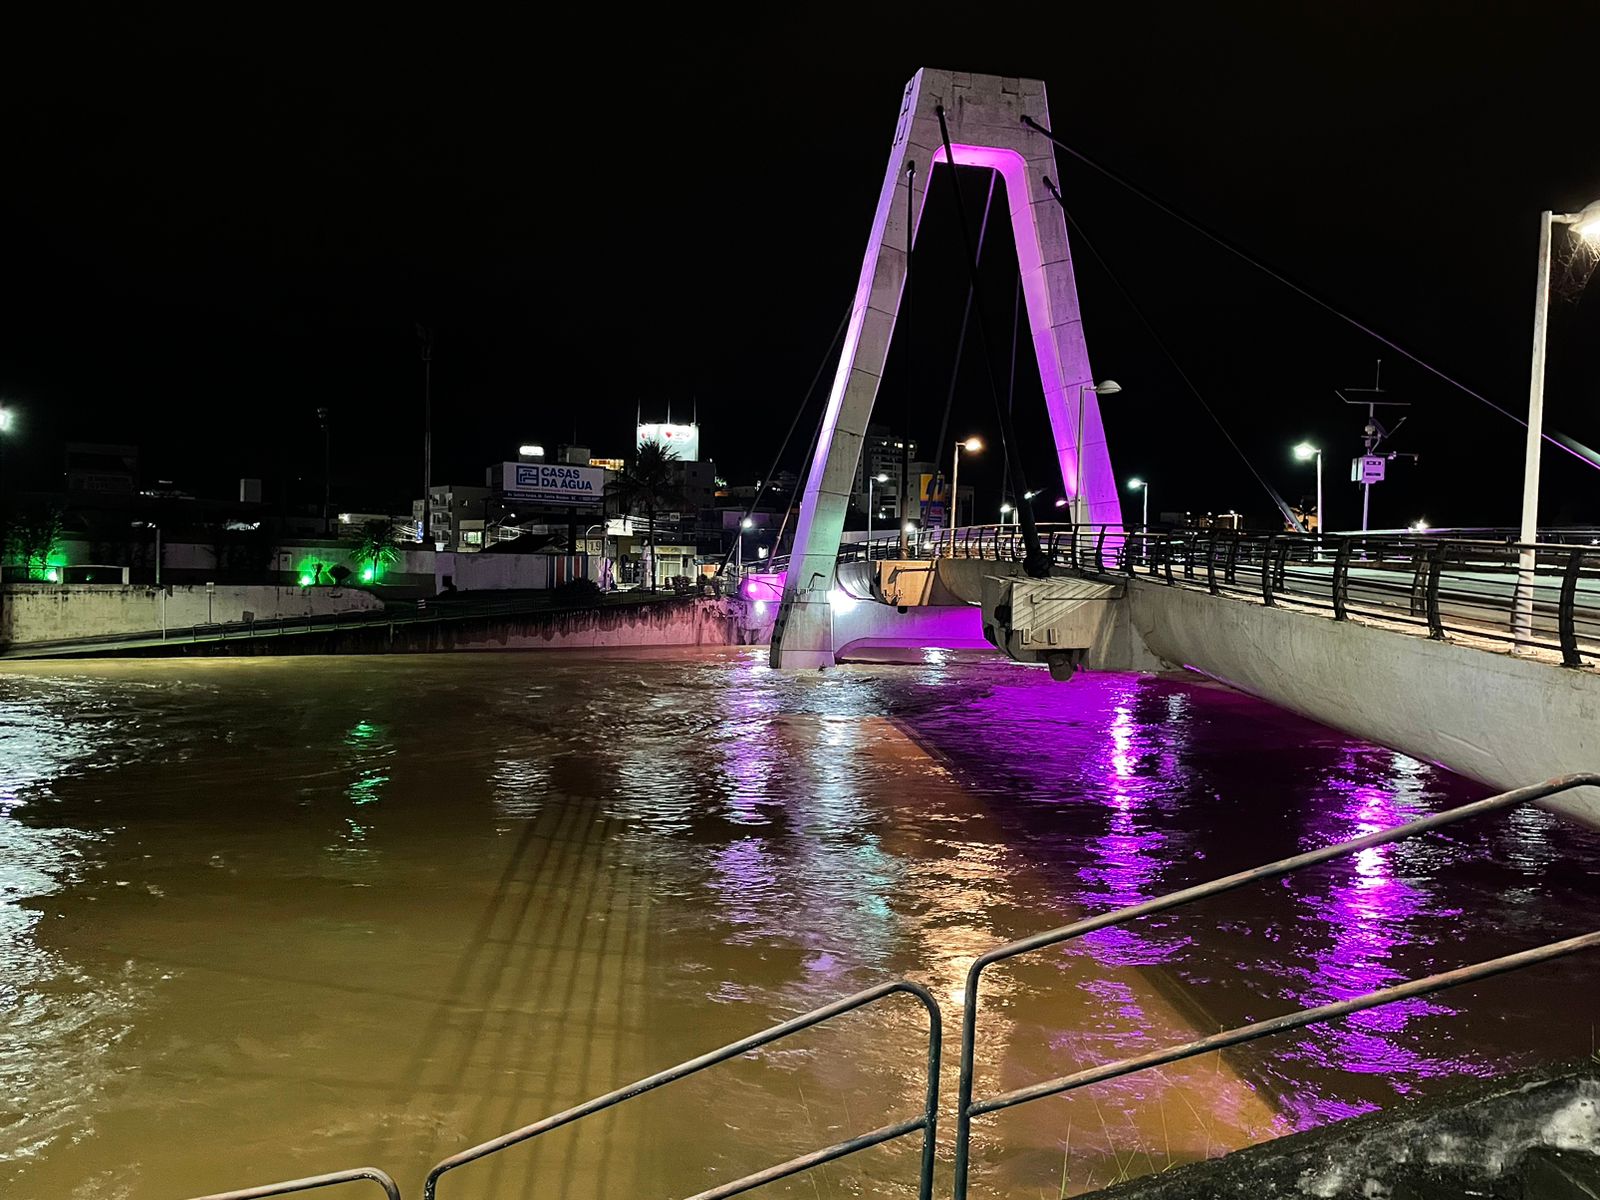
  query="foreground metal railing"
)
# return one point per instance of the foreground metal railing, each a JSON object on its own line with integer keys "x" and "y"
{"x": 967, "y": 1108}
{"x": 927, "y": 1122}
{"x": 310, "y": 1184}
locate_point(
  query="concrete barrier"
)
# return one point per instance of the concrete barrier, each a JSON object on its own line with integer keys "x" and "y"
{"x": 43, "y": 612}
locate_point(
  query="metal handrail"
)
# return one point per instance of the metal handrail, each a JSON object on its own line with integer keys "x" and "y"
{"x": 311, "y": 1183}
{"x": 967, "y": 1108}
{"x": 927, "y": 1122}
{"x": 1295, "y": 1020}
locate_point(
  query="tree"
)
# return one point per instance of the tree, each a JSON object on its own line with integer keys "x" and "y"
{"x": 33, "y": 538}
{"x": 376, "y": 551}
{"x": 648, "y": 482}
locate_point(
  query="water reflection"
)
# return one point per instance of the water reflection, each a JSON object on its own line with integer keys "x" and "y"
{"x": 411, "y": 903}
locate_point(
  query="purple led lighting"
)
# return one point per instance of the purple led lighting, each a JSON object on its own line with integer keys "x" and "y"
{"x": 1061, "y": 396}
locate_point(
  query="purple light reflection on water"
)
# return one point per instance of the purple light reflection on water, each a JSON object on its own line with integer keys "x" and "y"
{"x": 1123, "y": 788}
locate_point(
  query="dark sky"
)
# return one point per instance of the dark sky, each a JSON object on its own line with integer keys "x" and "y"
{"x": 214, "y": 225}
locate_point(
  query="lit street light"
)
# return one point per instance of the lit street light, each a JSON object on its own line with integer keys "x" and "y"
{"x": 531, "y": 450}
{"x": 1004, "y": 509}
{"x": 1303, "y": 452}
{"x": 871, "y": 479}
{"x": 972, "y": 445}
{"x": 1080, "y": 502}
{"x": 1140, "y": 485}
{"x": 1585, "y": 224}
{"x": 738, "y": 555}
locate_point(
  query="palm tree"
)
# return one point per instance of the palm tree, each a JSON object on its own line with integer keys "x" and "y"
{"x": 376, "y": 550}
{"x": 651, "y": 483}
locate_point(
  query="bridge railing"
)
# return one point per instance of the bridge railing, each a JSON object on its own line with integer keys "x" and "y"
{"x": 1477, "y": 589}
{"x": 968, "y": 1107}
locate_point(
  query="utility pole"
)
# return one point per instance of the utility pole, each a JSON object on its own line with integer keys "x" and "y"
{"x": 1372, "y": 436}
{"x": 425, "y": 339}
{"x": 322, "y": 417}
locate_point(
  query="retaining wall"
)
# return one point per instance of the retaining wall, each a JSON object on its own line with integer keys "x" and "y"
{"x": 43, "y": 612}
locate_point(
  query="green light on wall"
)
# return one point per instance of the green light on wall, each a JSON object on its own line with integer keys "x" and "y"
{"x": 368, "y": 574}
{"x": 305, "y": 580}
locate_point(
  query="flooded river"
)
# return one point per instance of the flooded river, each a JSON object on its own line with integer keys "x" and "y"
{"x": 265, "y": 918}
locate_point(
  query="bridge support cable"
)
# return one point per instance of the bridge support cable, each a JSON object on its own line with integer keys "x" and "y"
{"x": 1011, "y": 383}
{"x": 1083, "y": 239}
{"x": 1560, "y": 440}
{"x": 777, "y": 458}
{"x": 1036, "y": 563}
{"x": 911, "y": 366}
{"x": 961, "y": 336}
{"x": 789, "y": 506}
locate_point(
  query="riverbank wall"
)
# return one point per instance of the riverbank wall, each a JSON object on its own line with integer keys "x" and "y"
{"x": 667, "y": 623}
{"x": 47, "y": 612}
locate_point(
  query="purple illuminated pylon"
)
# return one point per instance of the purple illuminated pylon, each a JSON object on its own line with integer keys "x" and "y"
{"x": 985, "y": 115}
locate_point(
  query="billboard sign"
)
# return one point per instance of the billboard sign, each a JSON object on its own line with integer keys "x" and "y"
{"x": 935, "y": 500}
{"x": 554, "y": 483}
{"x": 682, "y": 440}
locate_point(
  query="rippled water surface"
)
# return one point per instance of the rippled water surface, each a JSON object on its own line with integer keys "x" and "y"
{"x": 265, "y": 918}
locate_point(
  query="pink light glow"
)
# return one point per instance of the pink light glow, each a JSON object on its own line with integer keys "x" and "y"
{"x": 1060, "y": 397}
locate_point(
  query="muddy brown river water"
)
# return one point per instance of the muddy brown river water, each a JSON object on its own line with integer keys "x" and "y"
{"x": 265, "y": 918}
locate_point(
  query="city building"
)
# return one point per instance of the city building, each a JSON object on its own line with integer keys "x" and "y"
{"x": 882, "y": 453}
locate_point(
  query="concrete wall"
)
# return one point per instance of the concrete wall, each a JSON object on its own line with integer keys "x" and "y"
{"x": 659, "y": 624}
{"x": 1504, "y": 720}
{"x": 41, "y": 612}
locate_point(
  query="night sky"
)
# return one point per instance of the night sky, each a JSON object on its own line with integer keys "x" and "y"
{"x": 215, "y": 225}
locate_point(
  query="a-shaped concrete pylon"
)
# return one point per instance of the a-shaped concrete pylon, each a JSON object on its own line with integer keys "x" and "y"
{"x": 984, "y": 114}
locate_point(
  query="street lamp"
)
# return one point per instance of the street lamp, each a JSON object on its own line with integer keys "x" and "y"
{"x": 871, "y": 479}
{"x": 1140, "y": 485}
{"x": 738, "y": 554}
{"x": 972, "y": 445}
{"x": 1586, "y": 224}
{"x": 1004, "y": 509}
{"x": 1303, "y": 452}
{"x": 1080, "y": 503}
{"x": 530, "y": 450}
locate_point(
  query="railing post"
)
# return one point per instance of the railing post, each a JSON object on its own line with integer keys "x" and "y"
{"x": 1267, "y": 553}
{"x": 1072, "y": 549}
{"x": 1189, "y": 542}
{"x": 1100, "y": 551}
{"x": 1566, "y": 620}
{"x": 1211, "y": 564}
{"x": 1166, "y": 555}
{"x": 1436, "y": 557}
{"x": 1233, "y": 558}
{"x": 1341, "y": 580}
{"x": 1421, "y": 560}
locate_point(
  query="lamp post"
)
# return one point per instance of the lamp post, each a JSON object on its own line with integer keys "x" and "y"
{"x": 1080, "y": 502}
{"x": 971, "y": 445}
{"x": 1585, "y": 224}
{"x": 1005, "y": 508}
{"x": 1303, "y": 452}
{"x": 1140, "y": 485}
{"x": 738, "y": 553}
{"x": 881, "y": 477}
